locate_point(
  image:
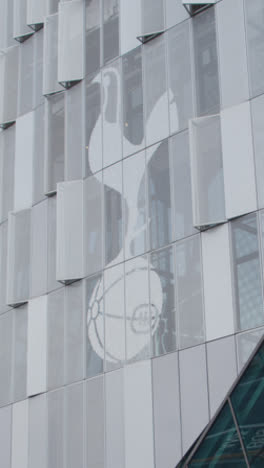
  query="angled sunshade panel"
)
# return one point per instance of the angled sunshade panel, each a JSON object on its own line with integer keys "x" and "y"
{"x": 8, "y": 85}
{"x": 36, "y": 11}
{"x": 196, "y": 6}
{"x": 71, "y": 42}
{"x": 152, "y": 19}
{"x": 21, "y": 31}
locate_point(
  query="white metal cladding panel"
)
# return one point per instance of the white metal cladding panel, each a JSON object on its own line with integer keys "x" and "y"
{"x": 37, "y": 345}
{"x": 9, "y": 84}
{"x": 39, "y": 249}
{"x": 37, "y": 432}
{"x": 232, "y": 43}
{"x": 152, "y": 16}
{"x": 5, "y": 436}
{"x": 20, "y": 435}
{"x": 114, "y": 419}
{"x": 71, "y": 41}
{"x": 20, "y": 27}
{"x": 238, "y": 161}
{"x": 36, "y": 11}
{"x": 24, "y": 162}
{"x": 130, "y": 24}
{"x": 219, "y": 320}
{"x": 50, "y": 55}
{"x": 70, "y": 255}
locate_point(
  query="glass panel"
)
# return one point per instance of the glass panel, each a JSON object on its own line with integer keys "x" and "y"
{"x": 6, "y": 436}
{"x": 162, "y": 299}
{"x": 38, "y": 155}
{"x": 55, "y": 429}
{"x": 135, "y": 216}
{"x": 180, "y": 85}
{"x": 189, "y": 292}
{"x": 74, "y": 129}
{"x": 155, "y": 91}
{"x": 74, "y": 336}
{"x": 20, "y": 353}
{"x": 39, "y": 240}
{"x": 8, "y": 171}
{"x": 114, "y": 313}
{"x": 246, "y": 343}
{"x": 255, "y": 44}
{"x": 93, "y": 126}
{"x": 207, "y": 171}
{"x": 112, "y": 136}
{"x": 133, "y": 117}
{"x": 6, "y": 24}
{"x": 182, "y": 191}
{"x": 37, "y": 420}
{"x": 71, "y": 41}
{"x": 139, "y": 323}
{"x": 113, "y": 218}
{"x": 50, "y": 68}
{"x": 130, "y": 25}
{"x": 55, "y": 339}
{"x": 247, "y": 400}
{"x": 221, "y": 446}
{"x": 51, "y": 256}
{"x": 206, "y": 63}
{"x": 6, "y": 335}
{"x": 54, "y": 141}
{"x": 257, "y": 109}
{"x": 93, "y": 215}
{"x": 74, "y": 430}
{"x": 38, "y": 68}
{"x": 9, "y": 60}
{"x": 114, "y": 419}
{"x": 94, "y": 320}
{"x": 20, "y": 434}
{"x": 93, "y": 42}
{"x": 159, "y": 195}
{"x": 247, "y": 273}
{"x": 3, "y": 266}
{"x": 152, "y": 16}
{"x": 111, "y": 29}
{"x": 25, "y": 77}
{"x": 95, "y": 432}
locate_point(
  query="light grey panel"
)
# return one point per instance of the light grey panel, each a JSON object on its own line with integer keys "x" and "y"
{"x": 130, "y": 25}
{"x": 111, "y": 29}
{"x": 74, "y": 336}
{"x": 255, "y": 34}
{"x": 50, "y": 55}
{"x": 25, "y": 77}
{"x": 5, "y": 436}
{"x": 95, "y": 437}
{"x": 152, "y": 16}
{"x": 36, "y": 10}
{"x": 37, "y": 421}
{"x": 93, "y": 125}
{"x": 155, "y": 90}
{"x": 206, "y": 63}
{"x": 114, "y": 419}
{"x": 8, "y": 171}
{"x": 52, "y": 6}
{"x": 55, "y": 339}
{"x": 162, "y": 299}
{"x": 159, "y": 195}
{"x": 93, "y": 218}
{"x": 93, "y": 36}
{"x": 141, "y": 317}
{"x": 9, "y": 84}
{"x": 182, "y": 192}
{"x": 6, "y": 24}
{"x": 114, "y": 313}
{"x": 20, "y": 434}
{"x": 55, "y": 429}
{"x": 74, "y": 433}
{"x": 175, "y": 12}
{"x": 222, "y": 369}
{"x": 166, "y": 403}
{"x": 133, "y": 113}
{"x": 246, "y": 343}
{"x": 247, "y": 272}
{"x": 20, "y": 27}
{"x": 257, "y": 109}
{"x": 52, "y": 210}
{"x": 189, "y": 292}
{"x": 94, "y": 330}
{"x": 6, "y": 338}
{"x": 194, "y": 396}
{"x": 37, "y": 346}
{"x": 54, "y": 141}
{"x": 113, "y": 217}
{"x": 38, "y": 69}
{"x": 38, "y": 155}
{"x": 23, "y": 189}
{"x": 112, "y": 126}
{"x": 39, "y": 243}
{"x": 180, "y": 76}
{"x": 20, "y": 353}
{"x": 135, "y": 216}
{"x": 3, "y": 266}
{"x": 74, "y": 130}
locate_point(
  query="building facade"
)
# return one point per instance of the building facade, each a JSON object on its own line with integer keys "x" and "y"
{"x": 131, "y": 224}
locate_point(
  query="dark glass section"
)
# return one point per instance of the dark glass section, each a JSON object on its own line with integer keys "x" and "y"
{"x": 255, "y": 44}
{"x": 206, "y": 63}
{"x": 92, "y": 41}
{"x": 221, "y": 446}
{"x": 111, "y": 29}
{"x": 248, "y": 403}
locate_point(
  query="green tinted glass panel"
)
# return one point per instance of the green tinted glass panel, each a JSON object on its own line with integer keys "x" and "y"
{"x": 221, "y": 447}
{"x": 248, "y": 403}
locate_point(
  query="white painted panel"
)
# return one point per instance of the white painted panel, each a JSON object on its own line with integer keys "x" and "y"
{"x": 70, "y": 257}
{"x": 138, "y": 416}
{"x": 71, "y": 41}
{"x": 232, "y": 43}
{"x": 219, "y": 320}
{"x": 238, "y": 161}
{"x": 130, "y": 21}
{"x": 20, "y": 435}
{"x": 37, "y": 345}
{"x": 24, "y": 161}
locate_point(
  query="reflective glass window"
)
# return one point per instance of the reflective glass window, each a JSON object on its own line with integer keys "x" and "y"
{"x": 92, "y": 40}
{"x": 111, "y": 29}
{"x": 94, "y": 320}
{"x": 93, "y": 125}
{"x": 255, "y": 44}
